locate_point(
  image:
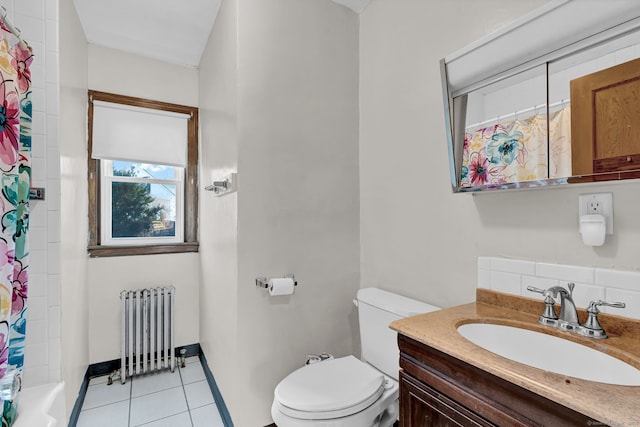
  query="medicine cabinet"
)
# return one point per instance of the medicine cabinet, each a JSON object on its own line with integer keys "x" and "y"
{"x": 551, "y": 99}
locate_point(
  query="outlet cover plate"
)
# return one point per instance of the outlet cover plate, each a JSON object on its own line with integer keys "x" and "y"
{"x": 605, "y": 200}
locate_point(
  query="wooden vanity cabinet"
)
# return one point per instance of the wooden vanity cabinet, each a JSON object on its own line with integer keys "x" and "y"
{"x": 439, "y": 390}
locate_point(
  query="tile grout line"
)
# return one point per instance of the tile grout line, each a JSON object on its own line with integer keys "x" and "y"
{"x": 185, "y": 396}
{"x": 130, "y": 399}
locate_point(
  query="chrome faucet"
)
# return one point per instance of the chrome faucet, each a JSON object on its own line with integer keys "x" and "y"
{"x": 568, "y": 319}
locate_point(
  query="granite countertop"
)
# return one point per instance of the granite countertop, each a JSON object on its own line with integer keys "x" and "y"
{"x": 611, "y": 404}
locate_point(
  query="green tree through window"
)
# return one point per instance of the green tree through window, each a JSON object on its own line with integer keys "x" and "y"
{"x": 133, "y": 208}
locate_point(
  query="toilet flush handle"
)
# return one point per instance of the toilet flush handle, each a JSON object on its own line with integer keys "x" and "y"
{"x": 355, "y": 302}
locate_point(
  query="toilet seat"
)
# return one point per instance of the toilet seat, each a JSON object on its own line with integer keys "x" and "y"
{"x": 330, "y": 389}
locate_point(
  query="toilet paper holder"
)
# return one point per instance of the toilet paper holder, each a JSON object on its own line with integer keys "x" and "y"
{"x": 263, "y": 282}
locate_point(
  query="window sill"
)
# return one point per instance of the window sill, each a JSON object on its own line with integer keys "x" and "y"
{"x": 111, "y": 251}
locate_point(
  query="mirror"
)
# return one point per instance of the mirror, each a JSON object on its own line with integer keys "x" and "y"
{"x": 556, "y": 112}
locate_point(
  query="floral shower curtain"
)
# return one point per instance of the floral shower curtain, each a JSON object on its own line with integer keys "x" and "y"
{"x": 15, "y": 175}
{"x": 517, "y": 151}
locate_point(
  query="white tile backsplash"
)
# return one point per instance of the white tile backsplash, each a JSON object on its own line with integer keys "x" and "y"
{"x": 630, "y": 298}
{"x": 513, "y": 277}
{"x": 513, "y": 266}
{"x": 567, "y": 273}
{"x": 629, "y": 280}
{"x": 505, "y": 282}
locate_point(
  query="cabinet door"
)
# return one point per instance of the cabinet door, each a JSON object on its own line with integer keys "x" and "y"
{"x": 605, "y": 122}
{"x": 422, "y": 406}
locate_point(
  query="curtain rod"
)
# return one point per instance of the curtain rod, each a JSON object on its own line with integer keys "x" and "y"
{"x": 14, "y": 30}
{"x": 515, "y": 115}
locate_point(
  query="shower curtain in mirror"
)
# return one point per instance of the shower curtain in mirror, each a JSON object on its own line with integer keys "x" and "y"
{"x": 517, "y": 151}
{"x": 15, "y": 174}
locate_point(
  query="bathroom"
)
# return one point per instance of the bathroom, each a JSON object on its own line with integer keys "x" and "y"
{"x": 333, "y": 120}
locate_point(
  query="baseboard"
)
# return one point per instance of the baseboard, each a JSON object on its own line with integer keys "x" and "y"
{"x": 217, "y": 396}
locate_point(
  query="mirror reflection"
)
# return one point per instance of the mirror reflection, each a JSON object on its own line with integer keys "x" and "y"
{"x": 573, "y": 117}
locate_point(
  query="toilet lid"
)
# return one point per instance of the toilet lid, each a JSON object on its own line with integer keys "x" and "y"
{"x": 329, "y": 387}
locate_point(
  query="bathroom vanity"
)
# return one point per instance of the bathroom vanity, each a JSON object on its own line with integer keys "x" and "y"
{"x": 446, "y": 379}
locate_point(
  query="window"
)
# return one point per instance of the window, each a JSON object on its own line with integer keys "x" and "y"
{"x": 143, "y": 158}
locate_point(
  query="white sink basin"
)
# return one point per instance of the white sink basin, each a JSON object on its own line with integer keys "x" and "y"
{"x": 551, "y": 353}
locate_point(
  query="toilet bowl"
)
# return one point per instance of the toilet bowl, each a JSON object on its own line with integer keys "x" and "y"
{"x": 340, "y": 392}
{"x": 346, "y": 391}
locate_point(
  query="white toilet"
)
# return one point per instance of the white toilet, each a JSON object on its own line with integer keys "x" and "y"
{"x": 348, "y": 392}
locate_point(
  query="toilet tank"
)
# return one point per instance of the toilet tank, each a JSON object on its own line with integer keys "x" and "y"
{"x": 376, "y": 310}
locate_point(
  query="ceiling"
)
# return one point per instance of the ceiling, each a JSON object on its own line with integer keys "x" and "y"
{"x": 168, "y": 30}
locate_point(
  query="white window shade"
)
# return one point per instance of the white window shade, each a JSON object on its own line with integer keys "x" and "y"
{"x": 123, "y": 132}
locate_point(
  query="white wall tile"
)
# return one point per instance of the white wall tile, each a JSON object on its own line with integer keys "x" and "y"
{"x": 37, "y": 332}
{"x": 37, "y": 285}
{"x": 38, "y": 213}
{"x": 629, "y": 280}
{"x": 484, "y": 263}
{"x": 51, "y": 35}
{"x": 568, "y": 273}
{"x": 51, "y": 10}
{"x": 53, "y": 100}
{"x": 506, "y": 282}
{"x": 55, "y": 361}
{"x": 32, "y": 29}
{"x": 630, "y": 298}
{"x": 52, "y": 130}
{"x": 38, "y": 238}
{"x": 591, "y": 283}
{"x": 53, "y": 258}
{"x": 513, "y": 266}
{"x": 38, "y": 172}
{"x": 53, "y": 290}
{"x": 53, "y": 226}
{"x": 38, "y": 148}
{"x": 53, "y": 191}
{"x": 53, "y": 321}
{"x": 38, "y": 262}
{"x": 37, "y": 308}
{"x": 33, "y": 8}
{"x": 52, "y": 77}
{"x": 35, "y": 355}
{"x": 39, "y": 123}
{"x": 34, "y": 375}
{"x": 38, "y": 74}
{"x": 484, "y": 279}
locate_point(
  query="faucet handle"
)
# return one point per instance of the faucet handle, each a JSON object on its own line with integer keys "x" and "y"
{"x": 537, "y": 290}
{"x": 549, "y": 317}
{"x": 593, "y": 305}
{"x": 592, "y": 327}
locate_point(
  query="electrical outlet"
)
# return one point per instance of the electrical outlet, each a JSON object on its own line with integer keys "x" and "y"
{"x": 598, "y": 203}
{"x": 594, "y": 206}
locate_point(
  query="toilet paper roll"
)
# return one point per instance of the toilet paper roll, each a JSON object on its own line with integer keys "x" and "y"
{"x": 593, "y": 229}
{"x": 281, "y": 286}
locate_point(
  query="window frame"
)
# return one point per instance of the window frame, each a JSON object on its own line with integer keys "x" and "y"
{"x": 97, "y": 248}
{"x": 107, "y": 178}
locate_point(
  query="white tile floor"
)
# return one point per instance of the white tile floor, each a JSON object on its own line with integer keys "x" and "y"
{"x": 179, "y": 399}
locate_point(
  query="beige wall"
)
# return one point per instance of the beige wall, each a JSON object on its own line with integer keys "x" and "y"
{"x": 73, "y": 203}
{"x": 416, "y": 237}
{"x": 127, "y": 74}
{"x": 294, "y": 105}
{"x": 218, "y": 87}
